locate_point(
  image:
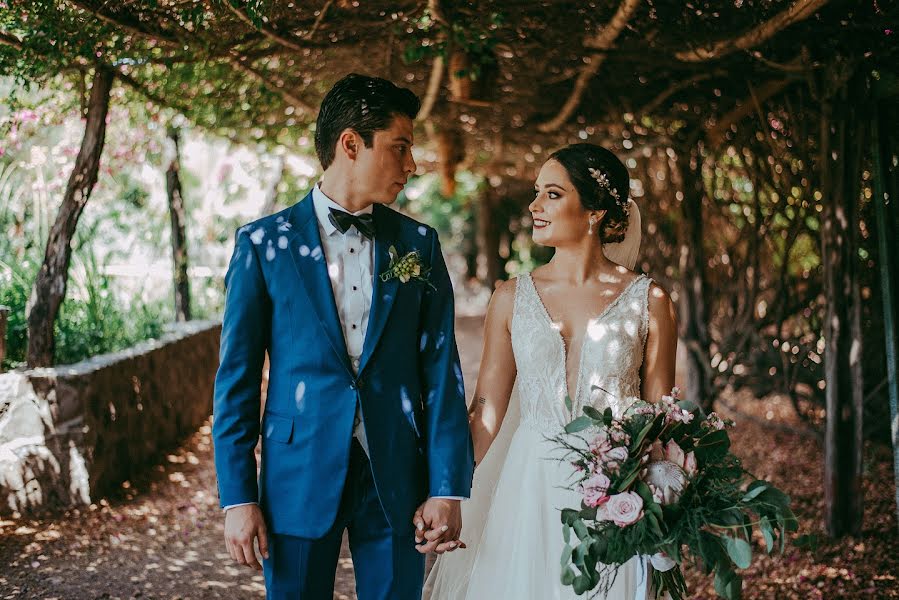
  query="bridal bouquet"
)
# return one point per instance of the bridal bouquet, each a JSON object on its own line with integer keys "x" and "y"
{"x": 660, "y": 481}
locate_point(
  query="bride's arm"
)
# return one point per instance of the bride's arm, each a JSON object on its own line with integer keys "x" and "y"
{"x": 497, "y": 372}
{"x": 657, "y": 373}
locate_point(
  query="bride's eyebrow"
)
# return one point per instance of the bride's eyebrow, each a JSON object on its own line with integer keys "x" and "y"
{"x": 555, "y": 185}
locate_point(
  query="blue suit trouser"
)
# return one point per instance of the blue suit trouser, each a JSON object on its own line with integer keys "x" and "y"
{"x": 387, "y": 566}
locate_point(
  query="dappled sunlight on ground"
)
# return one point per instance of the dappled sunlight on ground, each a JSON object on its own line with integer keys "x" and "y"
{"x": 161, "y": 536}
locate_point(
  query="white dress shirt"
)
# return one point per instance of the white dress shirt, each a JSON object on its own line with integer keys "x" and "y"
{"x": 350, "y": 260}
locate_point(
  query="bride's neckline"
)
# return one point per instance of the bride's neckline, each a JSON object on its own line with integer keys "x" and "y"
{"x": 558, "y": 332}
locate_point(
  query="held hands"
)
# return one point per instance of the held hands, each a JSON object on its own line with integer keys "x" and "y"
{"x": 438, "y": 523}
{"x": 243, "y": 524}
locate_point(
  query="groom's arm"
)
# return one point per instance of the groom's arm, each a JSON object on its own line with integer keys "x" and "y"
{"x": 236, "y": 402}
{"x": 448, "y": 441}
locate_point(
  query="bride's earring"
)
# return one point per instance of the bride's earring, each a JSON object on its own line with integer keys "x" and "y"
{"x": 592, "y": 223}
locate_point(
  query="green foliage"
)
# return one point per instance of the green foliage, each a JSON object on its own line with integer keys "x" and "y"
{"x": 711, "y": 521}
{"x": 93, "y": 319}
{"x": 476, "y": 39}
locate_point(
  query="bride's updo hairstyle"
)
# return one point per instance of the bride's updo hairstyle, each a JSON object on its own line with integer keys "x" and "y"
{"x": 602, "y": 183}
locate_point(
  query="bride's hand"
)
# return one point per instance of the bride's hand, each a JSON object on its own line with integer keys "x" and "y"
{"x": 438, "y": 523}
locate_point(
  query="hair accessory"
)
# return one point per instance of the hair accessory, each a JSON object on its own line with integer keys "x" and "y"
{"x": 603, "y": 180}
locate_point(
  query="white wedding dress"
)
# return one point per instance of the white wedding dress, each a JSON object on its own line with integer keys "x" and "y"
{"x": 511, "y": 523}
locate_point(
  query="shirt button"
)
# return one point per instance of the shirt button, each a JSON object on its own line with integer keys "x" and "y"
{"x": 352, "y": 250}
{"x": 355, "y": 288}
{"x": 354, "y": 326}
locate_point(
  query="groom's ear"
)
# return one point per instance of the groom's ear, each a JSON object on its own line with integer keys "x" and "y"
{"x": 348, "y": 143}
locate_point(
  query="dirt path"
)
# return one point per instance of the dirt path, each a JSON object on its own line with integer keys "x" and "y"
{"x": 161, "y": 538}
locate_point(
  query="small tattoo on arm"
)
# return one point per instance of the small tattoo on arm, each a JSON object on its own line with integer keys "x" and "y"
{"x": 482, "y": 400}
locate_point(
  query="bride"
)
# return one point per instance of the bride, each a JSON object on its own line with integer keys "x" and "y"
{"x": 584, "y": 326}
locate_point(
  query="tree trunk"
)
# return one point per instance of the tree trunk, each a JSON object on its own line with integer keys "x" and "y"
{"x": 885, "y": 188}
{"x": 50, "y": 285}
{"x": 179, "y": 237}
{"x": 4, "y": 316}
{"x": 489, "y": 261}
{"x": 692, "y": 304}
{"x": 271, "y": 196}
{"x": 840, "y": 171}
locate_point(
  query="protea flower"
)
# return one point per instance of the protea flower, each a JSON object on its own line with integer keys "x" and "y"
{"x": 669, "y": 469}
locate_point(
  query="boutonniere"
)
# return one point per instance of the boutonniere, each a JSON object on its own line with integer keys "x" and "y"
{"x": 406, "y": 268}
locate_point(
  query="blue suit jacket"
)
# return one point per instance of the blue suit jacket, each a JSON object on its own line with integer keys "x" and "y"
{"x": 409, "y": 383}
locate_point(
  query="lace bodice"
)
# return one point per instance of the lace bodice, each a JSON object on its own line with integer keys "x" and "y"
{"x": 610, "y": 358}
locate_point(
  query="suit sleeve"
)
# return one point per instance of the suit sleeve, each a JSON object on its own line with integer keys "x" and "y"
{"x": 449, "y": 448}
{"x": 236, "y": 402}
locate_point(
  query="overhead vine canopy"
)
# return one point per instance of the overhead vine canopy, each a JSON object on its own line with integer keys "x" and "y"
{"x": 516, "y": 72}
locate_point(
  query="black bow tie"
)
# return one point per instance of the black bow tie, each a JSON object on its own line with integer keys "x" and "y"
{"x": 344, "y": 220}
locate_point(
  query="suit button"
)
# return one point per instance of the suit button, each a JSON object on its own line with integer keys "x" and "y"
{"x": 352, "y": 386}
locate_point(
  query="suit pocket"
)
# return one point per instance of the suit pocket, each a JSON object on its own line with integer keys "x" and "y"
{"x": 278, "y": 429}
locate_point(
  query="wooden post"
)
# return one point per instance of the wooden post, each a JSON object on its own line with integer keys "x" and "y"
{"x": 50, "y": 285}
{"x": 886, "y": 203}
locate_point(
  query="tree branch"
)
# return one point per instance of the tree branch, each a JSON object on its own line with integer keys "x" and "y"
{"x": 9, "y": 39}
{"x": 288, "y": 41}
{"x": 715, "y": 134}
{"x": 289, "y": 97}
{"x": 799, "y": 11}
{"x": 436, "y": 78}
{"x": 602, "y": 41}
{"x": 673, "y": 89}
{"x": 133, "y": 27}
{"x": 318, "y": 21}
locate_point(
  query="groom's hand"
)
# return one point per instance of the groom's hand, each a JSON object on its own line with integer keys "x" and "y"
{"x": 243, "y": 524}
{"x": 438, "y": 523}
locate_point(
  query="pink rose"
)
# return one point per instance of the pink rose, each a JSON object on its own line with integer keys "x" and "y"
{"x": 623, "y": 509}
{"x": 617, "y": 454}
{"x": 595, "y": 489}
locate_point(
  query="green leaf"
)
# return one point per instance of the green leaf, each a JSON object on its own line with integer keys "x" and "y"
{"x": 728, "y": 584}
{"x": 713, "y": 445}
{"x": 567, "y": 576}
{"x": 566, "y": 533}
{"x": 568, "y": 403}
{"x": 569, "y": 515}
{"x": 642, "y": 435}
{"x": 580, "y": 552}
{"x": 566, "y": 555}
{"x": 654, "y": 525}
{"x": 768, "y": 533}
{"x": 739, "y": 551}
{"x": 627, "y": 481}
{"x": 607, "y": 417}
{"x": 581, "y": 584}
{"x": 593, "y": 413}
{"x": 588, "y": 514}
{"x": 580, "y": 529}
{"x": 644, "y": 492}
{"x": 579, "y": 424}
{"x": 752, "y": 493}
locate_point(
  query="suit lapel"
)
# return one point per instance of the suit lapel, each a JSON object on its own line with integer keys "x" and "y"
{"x": 309, "y": 259}
{"x": 383, "y": 292}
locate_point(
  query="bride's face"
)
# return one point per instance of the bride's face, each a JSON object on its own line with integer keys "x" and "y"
{"x": 559, "y": 217}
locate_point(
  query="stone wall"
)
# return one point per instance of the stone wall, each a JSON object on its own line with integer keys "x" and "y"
{"x": 70, "y": 434}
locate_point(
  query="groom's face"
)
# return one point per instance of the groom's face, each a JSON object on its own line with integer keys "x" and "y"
{"x": 380, "y": 172}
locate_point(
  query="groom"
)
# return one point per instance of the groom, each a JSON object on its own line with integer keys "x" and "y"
{"x": 365, "y": 418}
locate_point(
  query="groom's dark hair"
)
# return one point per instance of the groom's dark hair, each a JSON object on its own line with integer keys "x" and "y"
{"x": 363, "y": 104}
